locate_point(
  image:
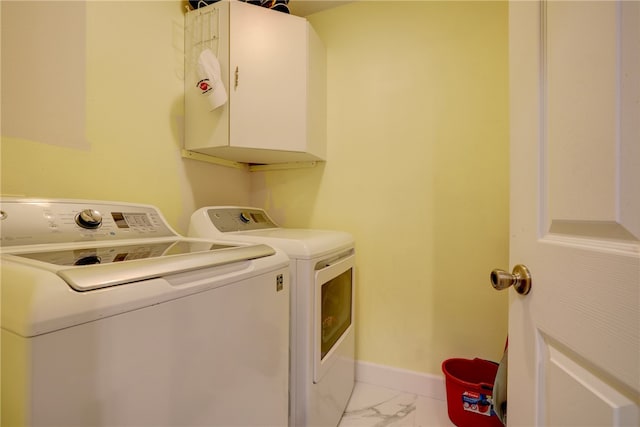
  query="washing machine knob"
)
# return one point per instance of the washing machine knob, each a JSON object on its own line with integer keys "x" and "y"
{"x": 88, "y": 260}
{"x": 89, "y": 218}
{"x": 245, "y": 217}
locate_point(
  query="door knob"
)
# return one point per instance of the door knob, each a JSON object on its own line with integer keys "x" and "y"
{"x": 520, "y": 279}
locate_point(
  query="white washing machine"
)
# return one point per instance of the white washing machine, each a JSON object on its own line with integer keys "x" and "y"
{"x": 322, "y": 266}
{"x": 110, "y": 318}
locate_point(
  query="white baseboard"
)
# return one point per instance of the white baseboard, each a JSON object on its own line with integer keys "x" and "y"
{"x": 427, "y": 385}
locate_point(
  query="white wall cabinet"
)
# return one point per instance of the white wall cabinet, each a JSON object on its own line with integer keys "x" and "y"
{"x": 273, "y": 68}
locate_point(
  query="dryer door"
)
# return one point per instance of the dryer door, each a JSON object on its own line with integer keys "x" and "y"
{"x": 333, "y": 310}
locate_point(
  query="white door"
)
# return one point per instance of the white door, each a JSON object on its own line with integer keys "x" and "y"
{"x": 574, "y": 340}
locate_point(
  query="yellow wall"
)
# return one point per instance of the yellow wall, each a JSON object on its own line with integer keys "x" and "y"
{"x": 130, "y": 129}
{"x": 417, "y": 157}
{"x": 417, "y": 170}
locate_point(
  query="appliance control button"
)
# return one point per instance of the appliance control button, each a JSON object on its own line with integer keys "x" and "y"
{"x": 245, "y": 217}
{"x": 88, "y": 260}
{"x": 89, "y": 218}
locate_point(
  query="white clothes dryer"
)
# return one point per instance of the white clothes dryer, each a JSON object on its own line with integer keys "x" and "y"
{"x": 322, "y": 371}
{"x": 110, "y": 318}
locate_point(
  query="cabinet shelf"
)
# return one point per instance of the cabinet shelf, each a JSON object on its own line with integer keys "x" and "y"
{"x": 247, "y": 166}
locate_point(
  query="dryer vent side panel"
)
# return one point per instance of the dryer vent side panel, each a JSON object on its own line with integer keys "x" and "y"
{"x": 206, "y": 28}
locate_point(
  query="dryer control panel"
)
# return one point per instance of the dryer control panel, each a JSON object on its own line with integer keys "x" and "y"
{"x": 31, "y": 221}
{"x": 228, "y": 219}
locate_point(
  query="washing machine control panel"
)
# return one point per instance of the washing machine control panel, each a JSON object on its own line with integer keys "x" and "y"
{"x": 31, "y": 221}
{"x": 228, "y": 219}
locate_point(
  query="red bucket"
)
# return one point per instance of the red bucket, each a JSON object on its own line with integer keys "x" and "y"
{"x": 469, "y": 388}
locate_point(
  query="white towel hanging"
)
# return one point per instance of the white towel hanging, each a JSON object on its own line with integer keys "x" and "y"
{"x": 209, "y": 80}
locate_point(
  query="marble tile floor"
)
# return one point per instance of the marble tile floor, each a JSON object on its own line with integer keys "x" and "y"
{"x": 375, "y": 406}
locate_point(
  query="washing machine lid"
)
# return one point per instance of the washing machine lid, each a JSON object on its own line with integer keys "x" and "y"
{"x": 67, "y": 262}
{"x": 87, "y": 268}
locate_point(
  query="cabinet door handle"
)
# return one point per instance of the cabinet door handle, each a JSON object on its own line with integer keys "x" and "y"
{"x": 237, "y": 74}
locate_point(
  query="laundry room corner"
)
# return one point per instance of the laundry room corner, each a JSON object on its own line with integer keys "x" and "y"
{"x": 417, "y": 120}
{"x": 301, "y": 187}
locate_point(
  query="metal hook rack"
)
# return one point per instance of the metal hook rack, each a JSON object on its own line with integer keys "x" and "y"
{"x": 203, "y": 33}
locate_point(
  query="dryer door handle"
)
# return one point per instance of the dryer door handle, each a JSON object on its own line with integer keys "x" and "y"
{"x": 326, "y": 263}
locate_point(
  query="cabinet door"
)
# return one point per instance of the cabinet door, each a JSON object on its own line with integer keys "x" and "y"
{"x": 268, "y": 53}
